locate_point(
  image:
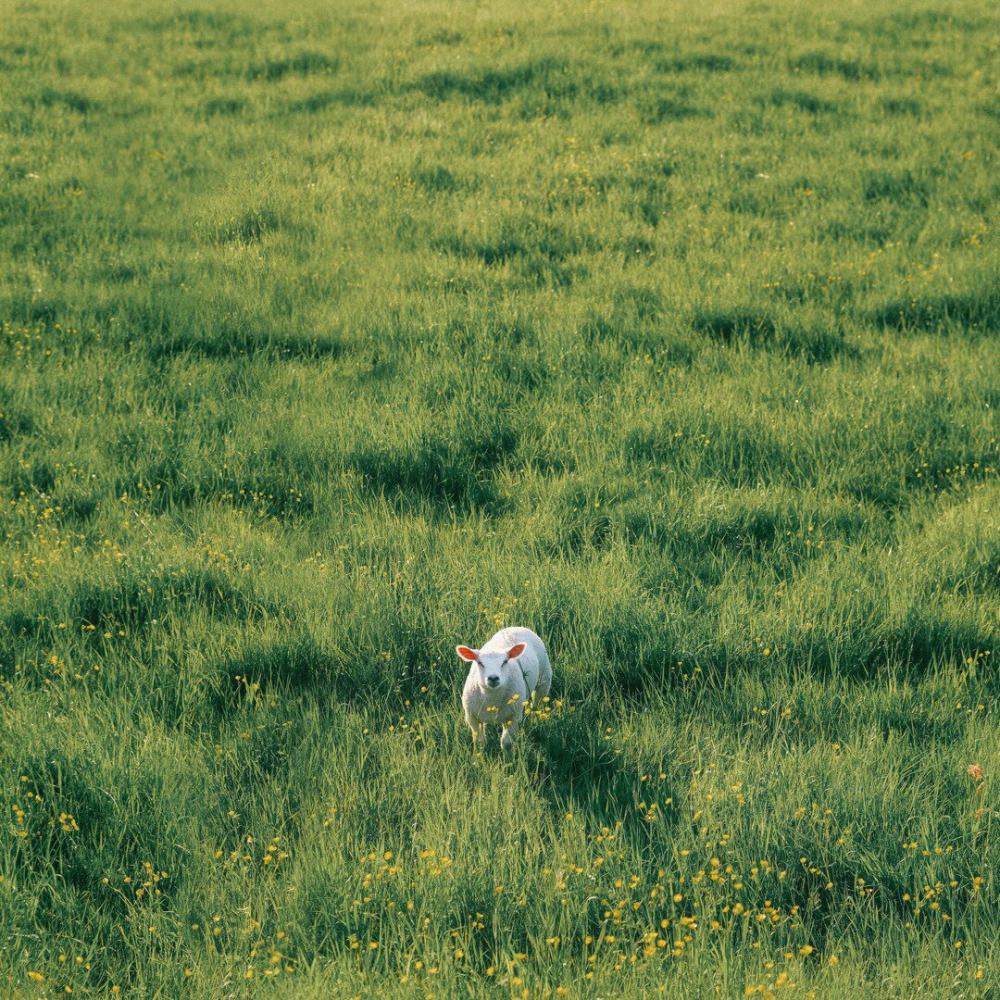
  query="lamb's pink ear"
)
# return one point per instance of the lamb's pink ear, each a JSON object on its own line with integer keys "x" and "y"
{"x": 515, "y": 651}
{"x": 469, "y": 655}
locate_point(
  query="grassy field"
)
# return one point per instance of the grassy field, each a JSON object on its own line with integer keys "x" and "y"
{"x": 336, "y": 334}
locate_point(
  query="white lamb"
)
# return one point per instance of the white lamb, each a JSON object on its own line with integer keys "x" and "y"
{"x": 509, "y": 669}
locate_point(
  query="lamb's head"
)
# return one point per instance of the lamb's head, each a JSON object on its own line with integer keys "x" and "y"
{"x": 493, "y": 666}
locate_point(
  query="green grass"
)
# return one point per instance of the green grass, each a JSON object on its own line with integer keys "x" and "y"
{"x": 336, "y": 334}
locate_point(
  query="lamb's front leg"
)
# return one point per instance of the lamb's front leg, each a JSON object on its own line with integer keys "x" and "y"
{"x": 478, "y": 735}
{"x": 478, "y": 731}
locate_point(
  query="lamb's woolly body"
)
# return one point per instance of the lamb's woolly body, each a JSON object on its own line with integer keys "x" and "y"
{"x": 530, "y": 674}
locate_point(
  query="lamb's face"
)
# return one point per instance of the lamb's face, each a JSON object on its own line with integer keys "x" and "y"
{"x": 493, "y": 668}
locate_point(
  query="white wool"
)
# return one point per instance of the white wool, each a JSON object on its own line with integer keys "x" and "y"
{"x": 518, "y": 679}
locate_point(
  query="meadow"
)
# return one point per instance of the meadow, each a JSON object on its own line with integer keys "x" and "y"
{"x": 332, "y": 335}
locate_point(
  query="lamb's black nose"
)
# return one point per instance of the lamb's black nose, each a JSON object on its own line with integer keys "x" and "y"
{"x": 493, "y": 681}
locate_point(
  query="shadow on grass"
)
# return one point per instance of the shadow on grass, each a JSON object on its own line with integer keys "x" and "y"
{"x": 68, "y": 100}
{"x": 537, "y": 80}
{"x": 972, "y": 312}
{"x": 759, "y": 330}
{"x": 458, "y": 473}
{"x": 826, "y": 64}
{"x": 542, "y": 253}
{"x": 799, "y": 100}
{"x": 305, "y": 63}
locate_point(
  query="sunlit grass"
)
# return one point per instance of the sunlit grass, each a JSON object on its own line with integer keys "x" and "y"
{"x": 331, "y": 337}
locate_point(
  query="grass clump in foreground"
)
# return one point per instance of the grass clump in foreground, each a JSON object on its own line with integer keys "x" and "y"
{"x": 332, "y": 337}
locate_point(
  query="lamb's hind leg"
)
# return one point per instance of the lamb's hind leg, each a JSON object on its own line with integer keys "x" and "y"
{"x": 544, "y": 683}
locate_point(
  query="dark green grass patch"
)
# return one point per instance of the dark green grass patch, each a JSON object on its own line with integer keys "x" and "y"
{"x": 973, "y": 313}
{"x": 67, "y": 99}
{"x": 304, "y": 63}
{"x": 459, "y": 473}
{"x": 825, "y": 63}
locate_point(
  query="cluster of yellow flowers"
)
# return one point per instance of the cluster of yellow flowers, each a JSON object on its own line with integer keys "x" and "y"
{"x": 28, "y": 341}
